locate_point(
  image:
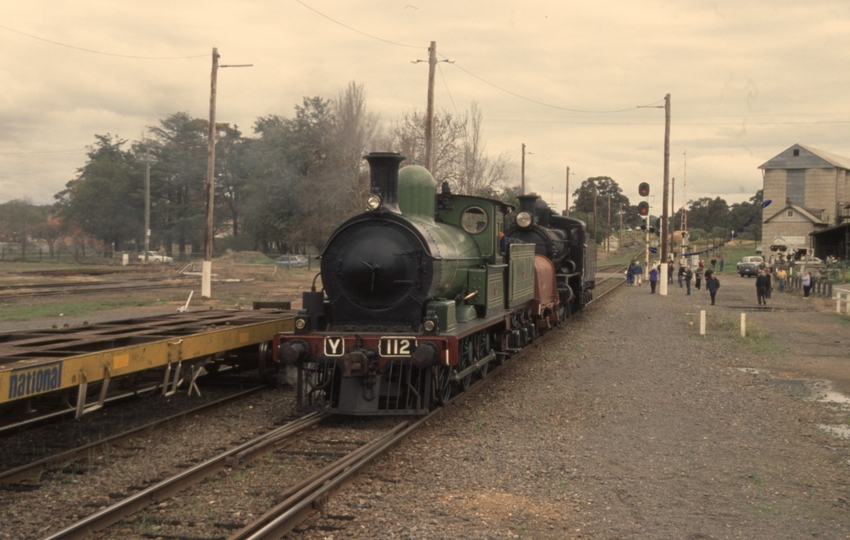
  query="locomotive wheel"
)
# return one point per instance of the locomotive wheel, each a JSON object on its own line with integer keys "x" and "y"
{"x": 442, "y": 388}
{"x": 266, "y": 366}
{"x": 464, "y": 361}
{"x": 482, "y": 349}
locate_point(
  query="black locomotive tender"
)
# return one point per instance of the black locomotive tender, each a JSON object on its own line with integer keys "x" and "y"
{"x": 422, "y": 292}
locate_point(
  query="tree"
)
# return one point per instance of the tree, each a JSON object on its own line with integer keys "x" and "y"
{"x": 706, "y": 213}
{"x": 407, "y": 137}
{"x": 18, "y": 220}
{"x": 178, "y": 180}
{"x": 106, "y": 199}
{"x": 50, "y": 230}
{"x": 605, "y": 188}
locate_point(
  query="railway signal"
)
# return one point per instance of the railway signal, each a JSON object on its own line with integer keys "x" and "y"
{"x": 643, "y": 209}
{"x": 643, "y": 189}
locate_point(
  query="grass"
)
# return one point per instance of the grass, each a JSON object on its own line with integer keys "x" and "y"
{"x": 757, "y": 339}
{"x": 479, "y": 425}
{"x": 25, "y": 312}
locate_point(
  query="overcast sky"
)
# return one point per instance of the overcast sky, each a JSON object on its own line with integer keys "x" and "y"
{"x": 747, "y": 78}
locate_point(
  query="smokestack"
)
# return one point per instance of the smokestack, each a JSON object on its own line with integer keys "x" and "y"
{"x": 383, "y": 169}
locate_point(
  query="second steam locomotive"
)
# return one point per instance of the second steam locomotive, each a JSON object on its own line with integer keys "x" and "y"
{"x": 425, "y": 290}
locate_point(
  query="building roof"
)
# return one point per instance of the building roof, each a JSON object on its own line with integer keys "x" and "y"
{"x": 807, "y": 158}
{"x": 802, "y": 211}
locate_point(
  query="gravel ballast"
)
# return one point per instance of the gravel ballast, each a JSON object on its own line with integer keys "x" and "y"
{"x": 628, "y": 424}
{"x": 624, "y": 424}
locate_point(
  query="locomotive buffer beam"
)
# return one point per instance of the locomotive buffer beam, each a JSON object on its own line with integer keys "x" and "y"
{"x": 474, "y": 367}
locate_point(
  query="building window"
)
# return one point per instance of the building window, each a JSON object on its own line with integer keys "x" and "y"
{"x": 796, "y": 153}
{"x": 790, "y": 213}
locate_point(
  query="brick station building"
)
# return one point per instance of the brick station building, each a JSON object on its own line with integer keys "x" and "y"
{"x": 810, "y": 190}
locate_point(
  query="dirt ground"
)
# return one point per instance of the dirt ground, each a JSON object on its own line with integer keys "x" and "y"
{"x": 627, "y": 424}
{"x": 286, "y": 285}
{"x": 630, "y": 425}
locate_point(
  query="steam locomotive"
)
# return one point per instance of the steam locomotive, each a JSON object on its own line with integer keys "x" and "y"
{"x": 425, "y": 290}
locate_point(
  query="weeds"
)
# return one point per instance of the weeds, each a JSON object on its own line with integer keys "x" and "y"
{"x": 479, "y": 425}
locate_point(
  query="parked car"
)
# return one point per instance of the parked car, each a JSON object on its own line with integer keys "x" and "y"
{"x": 810, "y": 261}
{"x": 749, "y": 266}
{"x": 292, "y": 261}
{"x": 155, "y": 257}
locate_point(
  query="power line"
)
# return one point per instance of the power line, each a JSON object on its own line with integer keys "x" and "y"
{"x": 317, "y": 12}
{"x": 101, "y": 52}
{"x": 520, "y": 96}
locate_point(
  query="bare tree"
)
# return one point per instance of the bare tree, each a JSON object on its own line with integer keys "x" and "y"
{"x": 355, "y": 129}
{"x": 459, "y": 151}
{"x": 407, "y": 137}
{"x": 480, "y": 175}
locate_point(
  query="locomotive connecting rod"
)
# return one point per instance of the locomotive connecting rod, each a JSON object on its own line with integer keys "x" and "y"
{"x": 477, "y": 365}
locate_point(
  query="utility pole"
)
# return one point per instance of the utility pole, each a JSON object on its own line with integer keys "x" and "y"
{"x": 522, "y": 185}
{"x": 672, "y": 209}
{"x": 147, "y": 201}
{"x": 620, "y": 232}
{"x": 206, "y": 271}
{"x": 664, "y": 203}
{"x": 595, "y": 221}
{"x": 684, "y": 219}
{"x": 608, "y": 228}
{"x": 567, "y": 207}
{"x": 429, "y": 112}
{"x": 429, "y": 121}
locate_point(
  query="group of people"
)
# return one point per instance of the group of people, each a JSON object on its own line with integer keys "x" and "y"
{"x": 766, "y": 274}
{"x": 686, "y": 275}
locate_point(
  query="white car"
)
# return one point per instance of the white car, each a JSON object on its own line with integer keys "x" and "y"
{"x": 155, "y": 257}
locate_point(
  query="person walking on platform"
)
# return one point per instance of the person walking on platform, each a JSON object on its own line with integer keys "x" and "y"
{"x": 698, "y": 274}
{"x": 653, "y": 279}
{"x": 681, "y": 275}
{"x": 761, "y": 288}
{"x": 689, "y": 275}
{"x": 781, "y": 276}
{"x": 712, "y": 284}
{"x": 669, "y": 271}
{"x": 637, "y": 272}
{"x": 630, "y": 273}
{"x": 807, "y": 284}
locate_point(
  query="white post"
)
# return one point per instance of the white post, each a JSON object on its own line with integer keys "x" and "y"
{"x": 743, "y": 325}
{"x": 206, "y": 275}
{"x": 702, "y": 322}
{"x": 662, "y": 279}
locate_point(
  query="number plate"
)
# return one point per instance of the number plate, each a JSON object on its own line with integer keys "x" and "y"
{"x": 334, "y": 346}
{"x": 397, "y": 346}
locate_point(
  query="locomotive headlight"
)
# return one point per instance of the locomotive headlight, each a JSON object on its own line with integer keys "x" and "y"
{"x": 523, "y": 219}
{"x": 373, "y": 202}
{"x": 300, "y": 324}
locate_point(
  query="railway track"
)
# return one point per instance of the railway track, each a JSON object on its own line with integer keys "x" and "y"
{"x": 45, "y": 289}
{"x": 67, "y": 457}
{"x": 166, "y": 488}
{"x": 301, "y": 499}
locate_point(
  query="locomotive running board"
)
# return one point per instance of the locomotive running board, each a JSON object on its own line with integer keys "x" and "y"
{"x": 477, "y": 365}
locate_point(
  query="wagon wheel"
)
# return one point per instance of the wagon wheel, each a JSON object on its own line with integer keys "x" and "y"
{"x": 464, "y": 360}
{"x": 531, "y": 325}
{"x": 442, "y": 376}
{"x": 482, "y": 349}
